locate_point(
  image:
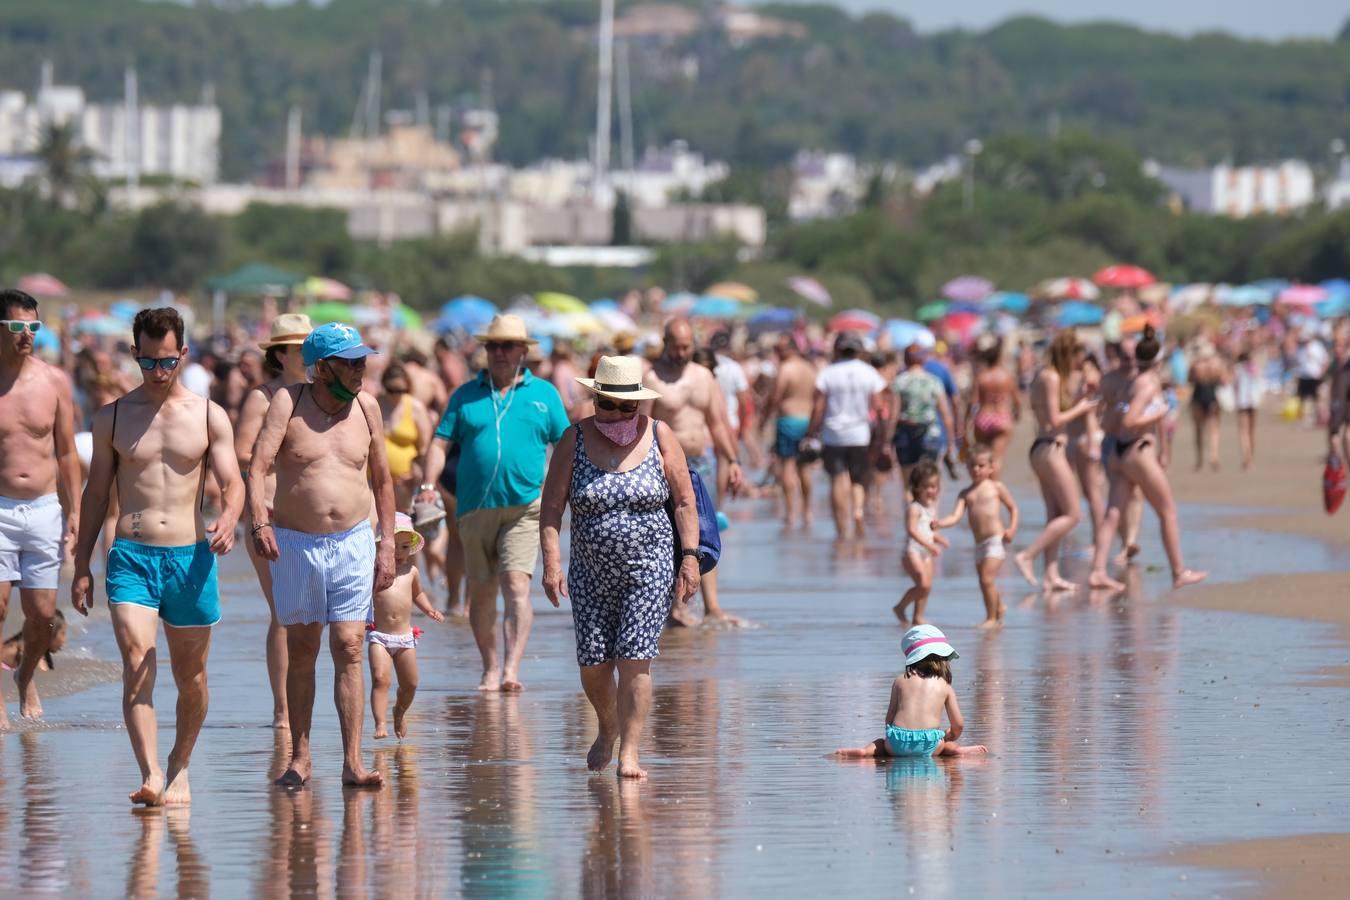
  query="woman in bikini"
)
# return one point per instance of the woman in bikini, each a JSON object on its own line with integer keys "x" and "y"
{"x": 283, "y": 365}
{"x": 1208, "y": 374}
{"x": 995, "y": 404}
{"x": 1054, "y": 409}
{"x": 1085, "y": 438}
{"x": 1132, "y": 418}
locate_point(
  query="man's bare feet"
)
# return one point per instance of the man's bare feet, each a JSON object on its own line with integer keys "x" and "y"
{"x": 151, "y": 792}
{"x": 362, "y": 778}
{"x": 400, "y": 722}
{"x": 629, "y": 768}
{"x": 30, "y": 707}
{"x": 177, "y": 792}
{"x": 296, "y": 774}
{"x": 281, "y": 720}
{"x": 1102, "y": 581}
{"x": 1187, "y": 576}
{"x": 601, "y": 752}
{"x": 511, "y": 686}
{"x": 381, "y": 730}
{"x": 492, "y": 681}
{"x": 1023, "y": 563}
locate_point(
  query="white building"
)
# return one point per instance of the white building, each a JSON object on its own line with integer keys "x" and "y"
{"x": 1240, "y": 191}
{"x": 1338, "y": 190}
{"x": 179, "y": 141}
{"x": 825, "y": 185}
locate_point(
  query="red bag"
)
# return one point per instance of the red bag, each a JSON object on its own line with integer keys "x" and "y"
{"x": 1333, "y": 483}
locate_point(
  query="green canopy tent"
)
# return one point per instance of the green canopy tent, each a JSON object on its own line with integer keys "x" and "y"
{"x": 253, "y": 280}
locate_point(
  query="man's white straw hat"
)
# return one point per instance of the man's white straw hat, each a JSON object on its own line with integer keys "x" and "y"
{"x": 619, "y": 378}
{"x": 288, "y": 328}
{"x": 506, "y": 328}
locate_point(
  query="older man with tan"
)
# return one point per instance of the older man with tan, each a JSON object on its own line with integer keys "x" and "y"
{"x": 156, "y": 445}
{"x": 323, "y": 438}
{"x": 39, "y": 481}
{"x": 503, "y": 422}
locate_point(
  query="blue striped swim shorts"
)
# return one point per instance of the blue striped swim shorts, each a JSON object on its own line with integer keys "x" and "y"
{"x": 322, "y": 578}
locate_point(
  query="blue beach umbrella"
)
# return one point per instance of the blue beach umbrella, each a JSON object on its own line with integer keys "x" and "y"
{"x": 775, "y": 318}
{"x": 1008, "y": 301}
{"x": 679, "y": 302}
{"x": 716, "y": 308}
{"x": 903, "y": 332}
{"x": 465, "y": 314}
{"x": 1248, "y": 295}
{"x": 1075, "y": 313}
{"x": 1337, "y": 304}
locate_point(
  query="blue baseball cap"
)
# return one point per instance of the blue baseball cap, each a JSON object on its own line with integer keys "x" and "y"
{"x": 334, "y": 339}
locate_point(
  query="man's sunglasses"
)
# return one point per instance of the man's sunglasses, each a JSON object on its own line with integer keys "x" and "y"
{"x": 496, "y": 346}
{"x": 17, "y": 326}
{"x": 148, "y": 363}
{"x": 611, "y": 406}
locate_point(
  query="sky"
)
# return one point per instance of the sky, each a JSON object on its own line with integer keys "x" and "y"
{"x": 1249, "y": 18}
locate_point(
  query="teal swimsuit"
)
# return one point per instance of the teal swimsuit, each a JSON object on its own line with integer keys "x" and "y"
{"x": 913, "y": 741}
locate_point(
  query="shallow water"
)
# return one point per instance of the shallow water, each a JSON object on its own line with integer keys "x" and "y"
{"x": 1119, "y": 730}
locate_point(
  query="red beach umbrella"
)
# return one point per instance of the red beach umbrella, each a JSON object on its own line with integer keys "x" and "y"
{"x": 1127, "y": 277}
{"x": 40, "y": 284}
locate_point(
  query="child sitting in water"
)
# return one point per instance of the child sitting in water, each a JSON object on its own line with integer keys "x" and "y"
{"x": 982, "y": 500}
{"x": 11, "y": 651}
{"x": 922, "y": 545}
{"x": 392, "y": 637}
{"x": 918, "y": 697}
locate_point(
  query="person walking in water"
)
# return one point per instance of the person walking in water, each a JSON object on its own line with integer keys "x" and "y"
{"x": 502, "y": 422}
{"x": 995, "y": 404}
{"x": 156, "y": 445}
{"x": 794, "y": 389}
{"x": 690, "y": 404}
{"x": 326, "y": 441}
{"x": 39, "y": 483}
{"x": 284, "y": 365}
{"x": 618, "y": 469}
{"x": 849, "y": 393}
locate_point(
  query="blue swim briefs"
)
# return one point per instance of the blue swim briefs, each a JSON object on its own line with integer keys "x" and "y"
{"x": 913, "y": 741}
{"x": 788, "y": 436}
{"x": 178, "y": 582}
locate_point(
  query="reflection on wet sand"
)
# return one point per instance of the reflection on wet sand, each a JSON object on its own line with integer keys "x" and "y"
{"x": 192, "y": 872}
{"x": 44, "y": 850}
{"x": 618, "y": 860}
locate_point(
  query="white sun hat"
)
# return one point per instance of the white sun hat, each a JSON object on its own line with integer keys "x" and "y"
{"x": 619, "y": 378}
{"x": 926, "y": 640}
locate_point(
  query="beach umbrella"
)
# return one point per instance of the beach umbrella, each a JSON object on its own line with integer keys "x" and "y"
{"x": 332, "y": 311}
{"x": 465, "y": 314}
{"x": 1302, "y": 295}
{"x": 405, "y": 318}
{"x": 1247, "y": 295}
{"x": 773, "y": 318}
{"x": 716, "y": 307}
{"x": 679, "y": 302}
{"x": 614, "y": 319}
{"x": 597, "y": 306}
{"x": 1005, "y": 301}
{"x": 125, "y": 310}
{"x": 1125, "y": 277}
{"x": 961, "y": 306}
{"x": 903, "y": 332}
{"x": 1333, "y": 307}
{"x": 1335, "y": 286}
{"x": 971, "y": 288}
{"x": 1075, "y": 313}
{"x": 810, "y": 289}
{"x": 46, "y": 340}
{"x": 1066, "y": 289}
{"x": 40, "y": 284}
{"x": 581, "y": 323}
{"x": 1274, "y": 285}
{"x": 734, "y": 290}
{"x": 1186, "y": 297}
{"x": 560, "y": 303}
{"x": 855, "y": 320}
{"x": 960, "y": 323}
{"x": 257, "y": 279}
{"x": 101, "y": 325}
{"x": 930, "y": 312}
{"x": 326, "y": 289}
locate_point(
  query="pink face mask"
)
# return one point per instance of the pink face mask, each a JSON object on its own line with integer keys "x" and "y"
{"x": 622, "y": 432}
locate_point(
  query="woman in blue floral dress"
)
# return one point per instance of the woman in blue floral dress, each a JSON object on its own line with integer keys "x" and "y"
{"x": 618, "y": 469}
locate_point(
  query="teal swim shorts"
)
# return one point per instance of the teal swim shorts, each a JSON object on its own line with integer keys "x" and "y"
{"x": 912, "y": 741}
{"x": 178, "y": 582}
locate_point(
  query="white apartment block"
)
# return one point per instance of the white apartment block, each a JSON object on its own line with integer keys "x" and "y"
{"x": 1241, "y": 191}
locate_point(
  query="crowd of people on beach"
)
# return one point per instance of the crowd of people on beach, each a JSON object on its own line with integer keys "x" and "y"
{"x": 371, "y": 475}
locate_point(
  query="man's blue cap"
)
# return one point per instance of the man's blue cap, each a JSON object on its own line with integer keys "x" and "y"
{"x": 334, "y": 339}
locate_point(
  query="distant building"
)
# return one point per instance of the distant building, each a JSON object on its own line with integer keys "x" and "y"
{"x": 1338, "y": 190}
{"x": 664, "y": 24}
{"x": 667, "y": 172}
{"x": 405, "y": 158}
{"x": 1240, "y": 191}
{"x": 180, "y": 141}
{"x": 825, "y": 185}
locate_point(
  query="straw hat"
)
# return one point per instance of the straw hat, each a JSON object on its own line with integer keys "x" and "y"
{"x": 505, "y": 327}
{"x": 288, "y": 328}
{"x": 926, "y": 640}
{"x": 619, "y": 378}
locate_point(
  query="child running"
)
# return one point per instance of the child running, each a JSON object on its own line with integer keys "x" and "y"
{"x": 922, "y": 545}
{"x": 982, "y": 500}
{"x": 918, "y": 697}
{"x": 392, "y": 637}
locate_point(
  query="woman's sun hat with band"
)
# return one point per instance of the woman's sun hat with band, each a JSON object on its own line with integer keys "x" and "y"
{"x": 618, "y": 378}
{"x": 288, "y": 328}
{"x": 926, "y": 640}
{"x": 506, "y": 329}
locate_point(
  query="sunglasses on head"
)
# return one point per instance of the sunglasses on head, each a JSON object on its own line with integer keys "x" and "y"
{"x": 148, "y": 363}
{"x": 17, "y": 326}
{"x": 630, "y": 406}
{"x": 497, "y": 346}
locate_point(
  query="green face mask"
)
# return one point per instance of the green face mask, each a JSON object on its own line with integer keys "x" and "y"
{"x": 340, "y": 392}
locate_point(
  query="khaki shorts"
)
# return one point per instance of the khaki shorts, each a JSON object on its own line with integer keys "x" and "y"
{"x": 505, "y": 539}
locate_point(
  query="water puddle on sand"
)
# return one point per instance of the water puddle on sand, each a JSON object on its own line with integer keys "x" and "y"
{"x": 1120, "y": 729}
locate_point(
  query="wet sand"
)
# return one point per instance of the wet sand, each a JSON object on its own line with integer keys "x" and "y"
{"x": 1126, "y": 733}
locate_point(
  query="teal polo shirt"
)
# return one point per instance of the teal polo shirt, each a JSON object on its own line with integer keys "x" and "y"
{"x": 503, "y": 440}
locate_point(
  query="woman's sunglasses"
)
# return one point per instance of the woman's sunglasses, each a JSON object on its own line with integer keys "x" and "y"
{"x": 148, "y": 363}
{"x": 17, "y": 326}
{"x": 611, "y": 406}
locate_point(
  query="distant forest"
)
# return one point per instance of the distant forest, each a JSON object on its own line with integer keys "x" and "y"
{"x": 868, "y": 84}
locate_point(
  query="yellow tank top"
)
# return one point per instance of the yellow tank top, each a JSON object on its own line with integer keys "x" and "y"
{"x": 400, "y": 442}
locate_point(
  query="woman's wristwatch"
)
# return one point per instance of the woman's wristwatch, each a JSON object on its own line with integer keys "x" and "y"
{"x": 423, "y": 488}
{"x": 691, "y": 551}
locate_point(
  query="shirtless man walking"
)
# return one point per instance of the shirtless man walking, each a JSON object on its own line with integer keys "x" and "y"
{"x": 322, "y": 439}
{"x": 156, "y": 444}
{"x": 691, "y": 405}
{"x": 792, "y": 396}
{"x": 39, "y": 481}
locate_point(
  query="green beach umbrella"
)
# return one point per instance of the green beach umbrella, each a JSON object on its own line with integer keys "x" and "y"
{"x": 561, "y": 303}
{"x": 931, "y": 312}
{"x": 323, "y": 313}
{"x": 256, "y": 278}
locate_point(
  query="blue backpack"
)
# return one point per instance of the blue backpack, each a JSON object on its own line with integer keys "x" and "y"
{"x": 709, "y": 539}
